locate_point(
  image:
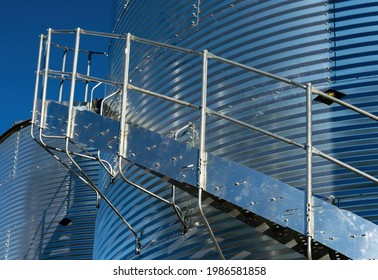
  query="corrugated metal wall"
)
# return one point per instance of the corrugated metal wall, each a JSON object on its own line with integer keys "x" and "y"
{"x": 36, "y": 194}
{"x": 259, "y": 33}
{"x": 328, "y": 43}
{"x": 288, "y": 38}
{"x": 353, "y": 57}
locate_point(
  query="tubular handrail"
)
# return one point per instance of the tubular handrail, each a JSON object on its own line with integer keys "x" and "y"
{"x": 92, "y": 93}
{"x": 56, "y": 74}
{"x": 164, "y": 45}
{"x": 193, "y": 52}
{"x": 71, "y": 49}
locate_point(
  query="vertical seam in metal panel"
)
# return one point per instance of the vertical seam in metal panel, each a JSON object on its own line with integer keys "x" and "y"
{"x": 334, "y": 42}
{"x": 15, "y": 157}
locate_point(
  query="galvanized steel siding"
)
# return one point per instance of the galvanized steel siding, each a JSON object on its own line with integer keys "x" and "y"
{"x": 328, "y": 43}
{"x": 288, "y": 38}
{"x": 354, "y": 60}
{"x": 36, "y": 193}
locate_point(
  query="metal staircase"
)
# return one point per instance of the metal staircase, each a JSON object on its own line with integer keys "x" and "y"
{"x": 269, "y": 205}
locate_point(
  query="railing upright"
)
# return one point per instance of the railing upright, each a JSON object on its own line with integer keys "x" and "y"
{"x": 202, "y": 162}
{"x": 123, "y": 126}
{"x": 45, "y": 79}
{"x": 62, "y": 76}
{"x": 202, "y": 154}
{"x": 309, "y": 198}
{"x": 36, "y": 87}
{"x": 89, "y": 62}
{"x": 70, "y": 125}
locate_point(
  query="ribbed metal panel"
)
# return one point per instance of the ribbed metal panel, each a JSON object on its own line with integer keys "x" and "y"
{"x": 36, "y": 193}
{"x": 328, "y": 43}
{"x": 353, "y": 56}
{"x": 288, "y": 38}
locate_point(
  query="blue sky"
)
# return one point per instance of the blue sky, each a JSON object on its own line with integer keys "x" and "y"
{"x": 21, "y": 23}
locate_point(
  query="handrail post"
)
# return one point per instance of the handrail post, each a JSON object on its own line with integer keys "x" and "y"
{"x": 202, "y": 162}
{"x": 45, "y": 78}
{"x": 62, "y": 77}
{"x": 36, "y": 87}
{"x": 89, "y": 62}
{"x": 123, "y": 127}
{"x": 309, "y": 197}
{"x": 70, "y": 127}
{"x": 202, "y": 155}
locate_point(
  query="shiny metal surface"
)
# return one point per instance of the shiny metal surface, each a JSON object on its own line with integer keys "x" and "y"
{"x": 352, "y": 138}
{"x": 36, "y": 194}
{"x": 156, "y": 160}
{"x": 328, "y": 43}
{"x": 253, "y": 182}
{"x": 156, "y": 223}
{"x": 160, "y": 229}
